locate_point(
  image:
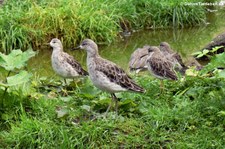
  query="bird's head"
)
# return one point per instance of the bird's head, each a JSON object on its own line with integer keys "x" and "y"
{"x": 89, "y": 45}
{"x": 152, "y": 49}
{"x": 165, "y": 47}
{"x": 56, "y": 43}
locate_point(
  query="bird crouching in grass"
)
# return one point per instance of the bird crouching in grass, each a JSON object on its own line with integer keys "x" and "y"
{"x": 138, "y": 59}
{"x": 159, "y": 66}
{"x": 174, "y": 57}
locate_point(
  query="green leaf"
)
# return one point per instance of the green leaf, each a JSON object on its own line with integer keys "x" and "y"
{"x": 67, "y": 98}
{"x": 221, "y": 74}
{"x": 216, "y": 61}
{"x": 3, "y": 85}
{"x": 20, "y": 78}
{"x": 86, "y": 107}
{"x": 221, "y": 113}
{"x": 16, "y": 59}
{"x": 200, "y": 55}
{"x": 215, "y": 49}
{"x": 1, "y": 59}
{"x": 61, "y": 112}
{"x": 205, "y": 51}
{"x": 196, "y": 53}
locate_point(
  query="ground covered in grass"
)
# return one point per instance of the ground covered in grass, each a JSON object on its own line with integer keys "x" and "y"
{"x": 189, "y": 114}
{"x": 28, "y": 22}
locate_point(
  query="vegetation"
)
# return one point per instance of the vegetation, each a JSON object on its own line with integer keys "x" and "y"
{"x": 208, "y": 53}
{"x": 27, "y": 22}
{"x": 38, "y": 112}
{"x": 189, "y": 114}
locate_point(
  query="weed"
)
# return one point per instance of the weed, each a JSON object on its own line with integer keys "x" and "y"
{"x": 189, "y": 114}
{"x": 26, "y": 23}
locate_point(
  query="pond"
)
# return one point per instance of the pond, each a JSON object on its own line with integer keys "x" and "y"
{"x": 185, "y": 41}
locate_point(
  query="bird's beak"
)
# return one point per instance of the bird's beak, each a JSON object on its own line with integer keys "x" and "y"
{"x": 46, "y": 44}
{"x": 76, "y": 48}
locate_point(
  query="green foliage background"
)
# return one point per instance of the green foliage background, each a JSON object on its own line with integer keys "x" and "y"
{"x": 27, "y": 22}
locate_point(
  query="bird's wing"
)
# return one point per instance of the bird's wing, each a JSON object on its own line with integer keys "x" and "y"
{"x": 141, "y": 63}
{"x": 117, "y": 75}
{"x": 132, "y": 61}
{"x": 77, "y": 66}
{"x": 162, "y": 67}
{"x": 138, "y": 58}
{"x": 179, "y": 59}
{"x": 134, "y": 58}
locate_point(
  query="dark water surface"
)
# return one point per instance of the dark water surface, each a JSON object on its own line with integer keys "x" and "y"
{"x": 185, "y": 41}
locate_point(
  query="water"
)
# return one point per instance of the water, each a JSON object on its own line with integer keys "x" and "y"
{"x": 185, "y": 41}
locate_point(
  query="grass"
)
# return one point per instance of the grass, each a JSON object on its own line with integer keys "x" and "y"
{"x": 32, "y": 23}
{"x": 190, "y": 114}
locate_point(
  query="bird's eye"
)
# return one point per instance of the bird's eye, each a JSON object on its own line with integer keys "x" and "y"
{"x": 83, "y": 44}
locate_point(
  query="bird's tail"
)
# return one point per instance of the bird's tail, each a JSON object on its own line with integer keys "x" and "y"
{"x": 137, "y": 88}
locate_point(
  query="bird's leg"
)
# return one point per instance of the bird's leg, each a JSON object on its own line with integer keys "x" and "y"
{"x": 77, "y": 87}
{"x": 64, "y": 90}
{"x": 109, "y": 105}
{"x": 116, "y": 102}
{"x": 161, "y": 86}
{"x": 65, "y": 82}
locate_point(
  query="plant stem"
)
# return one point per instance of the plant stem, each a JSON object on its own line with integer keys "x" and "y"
{"x": 8, "y": 75}
{"x": 6, "y": 88}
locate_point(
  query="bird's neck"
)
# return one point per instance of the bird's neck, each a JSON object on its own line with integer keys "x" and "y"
{"x": 150, "y": 54}
{"x": 57, "y": 49}
{"x": 91, "y": 55}
{"x": 159, "y": 53}
{"x": 91, "y": 60}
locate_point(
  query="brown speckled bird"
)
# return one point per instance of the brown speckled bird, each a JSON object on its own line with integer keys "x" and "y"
{"x": 159, "y": 66}
{"x": 64, "y": 64}
{"x": 138, "y": 59}
{"x": 106, "y": 75}
{"x": 172, "y": 56}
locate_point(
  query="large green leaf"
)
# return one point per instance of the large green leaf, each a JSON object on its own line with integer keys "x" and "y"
{"x": 20, "y": 78}
{"x": 215, "y": 62}
{"x": 16, "y": 59}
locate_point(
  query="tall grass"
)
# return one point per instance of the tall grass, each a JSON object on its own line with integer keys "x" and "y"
{"x": 32, "y": 23}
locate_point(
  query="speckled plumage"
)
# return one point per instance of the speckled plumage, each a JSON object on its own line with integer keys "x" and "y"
{"x": 105, "y": 74}
{"x": 64, "y": 64}
{"x": 159, "y": 65}
{"x": 138, "y": 59}
{"x": 172, "y": 56}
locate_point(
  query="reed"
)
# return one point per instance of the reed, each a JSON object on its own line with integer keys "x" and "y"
{"x": 32, "y": 23}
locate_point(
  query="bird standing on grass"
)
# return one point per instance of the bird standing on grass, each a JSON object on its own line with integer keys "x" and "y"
{"x": 159, "y": 66}
{"x": 64, "y": 64}
{"x": 106, "y": 75}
